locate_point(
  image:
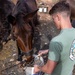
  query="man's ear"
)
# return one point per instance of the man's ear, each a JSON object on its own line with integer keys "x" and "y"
{"x": 29, "y": 16}
{"x": 58, "y": 17}
{"x": 11, "y": 19}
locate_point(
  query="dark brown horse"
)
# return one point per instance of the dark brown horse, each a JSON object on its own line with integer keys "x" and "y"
{"x": 23, "y": 20}
{"x": 6, "y": 7}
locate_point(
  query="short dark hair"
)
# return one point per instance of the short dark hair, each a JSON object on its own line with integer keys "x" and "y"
{"x": 61, "y": 6}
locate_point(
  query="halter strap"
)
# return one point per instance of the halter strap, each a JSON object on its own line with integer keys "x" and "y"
{"x": 28, "y": 53}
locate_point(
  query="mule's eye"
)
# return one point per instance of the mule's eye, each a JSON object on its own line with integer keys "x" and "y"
{"x": 11, "y": 19}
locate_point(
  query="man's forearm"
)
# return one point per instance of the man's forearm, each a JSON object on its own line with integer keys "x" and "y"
{"x": 48, "y": 67}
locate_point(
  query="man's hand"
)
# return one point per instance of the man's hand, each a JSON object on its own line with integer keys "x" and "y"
{"x": 36, "y": 69}
{"x": 41, "y": 52}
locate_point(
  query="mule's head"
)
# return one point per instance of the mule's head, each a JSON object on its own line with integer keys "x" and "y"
{"x": 22, "y": 31}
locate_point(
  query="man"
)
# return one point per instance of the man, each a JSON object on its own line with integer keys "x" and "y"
{"x": 61, "y": 56}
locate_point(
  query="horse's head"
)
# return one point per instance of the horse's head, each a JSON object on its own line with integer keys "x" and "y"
{"x": 22, "y": 31}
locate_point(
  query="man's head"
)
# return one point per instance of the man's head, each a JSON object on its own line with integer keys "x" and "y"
{"x": 59, "y": 12}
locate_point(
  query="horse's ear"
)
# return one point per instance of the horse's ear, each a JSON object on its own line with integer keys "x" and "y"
{"x": 30, "y": 15}
{"x": 11, "y": 19}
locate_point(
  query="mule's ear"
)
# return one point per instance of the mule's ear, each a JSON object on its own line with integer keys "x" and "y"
{"x": 11, "y": 19}
{"x": 30, "y": 15}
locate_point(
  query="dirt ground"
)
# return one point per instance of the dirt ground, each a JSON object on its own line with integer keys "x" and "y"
{"x": 44, "y": 32}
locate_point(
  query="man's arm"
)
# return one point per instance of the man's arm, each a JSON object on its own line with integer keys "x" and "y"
{"x": 41, "y": 52}
{"x": 47, "y": 68}
{"x": 53, "y": 58}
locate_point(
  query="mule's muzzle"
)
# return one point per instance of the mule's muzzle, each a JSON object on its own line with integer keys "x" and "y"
{"x": 29, "y": 53}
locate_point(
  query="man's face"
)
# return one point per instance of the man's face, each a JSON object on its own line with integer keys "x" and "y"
{"x": 56, "y": 20}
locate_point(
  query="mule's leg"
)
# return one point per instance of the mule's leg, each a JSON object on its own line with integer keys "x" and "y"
{"x": 19, "y": 54}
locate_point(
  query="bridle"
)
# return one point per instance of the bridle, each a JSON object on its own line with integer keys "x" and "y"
{"x": 29, "y": 53}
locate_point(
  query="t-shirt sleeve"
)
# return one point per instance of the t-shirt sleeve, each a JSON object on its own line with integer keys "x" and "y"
{"x": 54, "y": 51}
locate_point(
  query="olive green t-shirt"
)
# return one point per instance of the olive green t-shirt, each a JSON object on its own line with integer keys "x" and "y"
{"x": 62, "y": 51}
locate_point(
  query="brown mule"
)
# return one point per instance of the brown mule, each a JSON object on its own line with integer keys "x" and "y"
{"x": 22, "y": 31}
{"x": 23, "y": 25}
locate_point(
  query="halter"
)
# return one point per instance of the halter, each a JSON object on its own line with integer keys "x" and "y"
{"x": 28, "y": 53}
